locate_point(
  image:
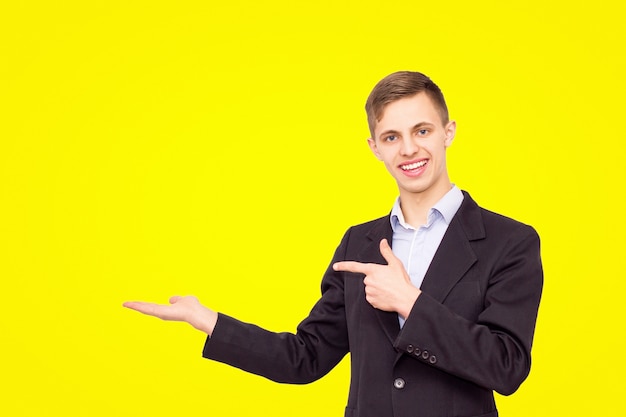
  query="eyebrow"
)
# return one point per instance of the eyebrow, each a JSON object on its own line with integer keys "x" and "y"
{"x": 395, "y": 132}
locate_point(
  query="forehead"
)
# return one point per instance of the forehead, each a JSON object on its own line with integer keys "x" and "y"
{"x": 407, "y": 112}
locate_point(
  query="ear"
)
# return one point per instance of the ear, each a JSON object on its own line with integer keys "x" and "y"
{"x": 372, "y": 143}
{"x": 450, "y": 131}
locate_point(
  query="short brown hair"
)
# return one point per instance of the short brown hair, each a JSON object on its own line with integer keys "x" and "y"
{"x": 399, "y": 85}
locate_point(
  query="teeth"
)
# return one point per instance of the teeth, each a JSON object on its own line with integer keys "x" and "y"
{"x": 412, "y": 166}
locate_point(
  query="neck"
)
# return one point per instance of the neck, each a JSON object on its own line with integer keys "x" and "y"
{"x": 415, "y": 206}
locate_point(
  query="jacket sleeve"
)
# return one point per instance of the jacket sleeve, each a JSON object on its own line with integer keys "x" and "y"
{"x": 494, "y": 350}
{"x": 320, "y": 342}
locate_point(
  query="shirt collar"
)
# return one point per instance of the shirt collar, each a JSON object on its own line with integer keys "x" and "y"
{"x": 446, "y": 208}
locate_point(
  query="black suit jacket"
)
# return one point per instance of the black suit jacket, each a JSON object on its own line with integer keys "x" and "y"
{"x": 469, "y": 333}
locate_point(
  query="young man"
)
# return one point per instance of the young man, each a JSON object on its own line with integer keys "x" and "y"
{"x": 436, "y": 302}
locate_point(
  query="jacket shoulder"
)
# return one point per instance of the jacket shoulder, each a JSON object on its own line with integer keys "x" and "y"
{"x": 504, "y": 225}
{"x": 379, "y": 227}
{"x": 479, "y": 222}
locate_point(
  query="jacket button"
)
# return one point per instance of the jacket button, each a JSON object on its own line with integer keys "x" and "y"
{"x": 425, "y": 355}
{"x": 399, "y": 383}
{"x": 417, "y": 351}
{"x": 433, "y": 359}
{"x": 410, "y": 348}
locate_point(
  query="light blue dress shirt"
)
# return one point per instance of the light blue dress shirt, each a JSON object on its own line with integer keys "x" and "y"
{"x": 416, "y": 247}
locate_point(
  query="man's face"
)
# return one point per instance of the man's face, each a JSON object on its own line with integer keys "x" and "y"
{"x": 411, "y": 140}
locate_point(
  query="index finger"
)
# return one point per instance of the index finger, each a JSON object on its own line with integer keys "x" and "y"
{"x": 352, "y": 266}
{"x": 150, "y": 309}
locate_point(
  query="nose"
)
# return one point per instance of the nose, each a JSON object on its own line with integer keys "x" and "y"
{"x": 409, "y": 147}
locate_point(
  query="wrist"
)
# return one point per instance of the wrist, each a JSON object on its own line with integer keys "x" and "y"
{"x": 409, "y": 301}
{"x": 205, "y": 320}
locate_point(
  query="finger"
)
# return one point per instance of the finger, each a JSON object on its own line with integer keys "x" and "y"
{"x": 131, "y": 304}
{"x": 388, "y": 254}
{"x": 175, "y": 299}
{"x": 352, "y": 266}
{"x": 142, "y": 307}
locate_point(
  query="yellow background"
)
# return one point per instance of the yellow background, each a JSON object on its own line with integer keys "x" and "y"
{"x": 150, "y": 149}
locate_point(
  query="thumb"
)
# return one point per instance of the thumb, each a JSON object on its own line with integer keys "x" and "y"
{"x": 387, "y": 253}
{"x": 174, "y": 299}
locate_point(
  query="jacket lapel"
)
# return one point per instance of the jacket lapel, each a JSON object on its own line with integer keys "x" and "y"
{"x": 455, "y": 256}
{"x": 371, "y": 253}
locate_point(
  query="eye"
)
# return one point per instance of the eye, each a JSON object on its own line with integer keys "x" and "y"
{"x": 390, "y": 138}
{"x": 422, "y": 132}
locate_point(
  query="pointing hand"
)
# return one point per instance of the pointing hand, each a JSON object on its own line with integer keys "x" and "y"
{"x": 387, "y": 287}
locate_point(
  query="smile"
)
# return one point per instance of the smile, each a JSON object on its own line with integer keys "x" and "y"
{"x": 414, "y": 165}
